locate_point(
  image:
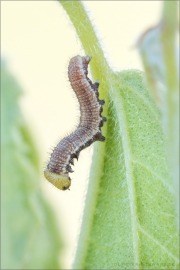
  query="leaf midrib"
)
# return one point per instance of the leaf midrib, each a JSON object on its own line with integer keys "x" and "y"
{"x": 129, "y": 172}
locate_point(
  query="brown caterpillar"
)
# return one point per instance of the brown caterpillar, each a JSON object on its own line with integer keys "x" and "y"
{"x": 88, "y": 130}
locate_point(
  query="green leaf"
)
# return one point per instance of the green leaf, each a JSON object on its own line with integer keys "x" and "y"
{"x": 129, "y": 220}
{"x": 30, "y": 238}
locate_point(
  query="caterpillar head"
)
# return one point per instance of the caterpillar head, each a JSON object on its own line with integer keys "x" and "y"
{"x": 61, "y": 181}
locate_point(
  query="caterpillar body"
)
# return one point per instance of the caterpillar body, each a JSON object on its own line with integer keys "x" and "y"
{"x": 88, "y": 130}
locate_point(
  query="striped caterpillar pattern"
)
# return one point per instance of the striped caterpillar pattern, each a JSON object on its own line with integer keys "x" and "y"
{"x": 88, "y": 130}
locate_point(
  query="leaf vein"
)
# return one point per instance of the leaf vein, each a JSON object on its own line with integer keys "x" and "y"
{"x": 155, "y": 174}
{"x": 159, "y": 244}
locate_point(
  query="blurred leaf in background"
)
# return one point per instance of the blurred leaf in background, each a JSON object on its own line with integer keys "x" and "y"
{"x": 30, "y": 237}
{"x": 159, "y": 51}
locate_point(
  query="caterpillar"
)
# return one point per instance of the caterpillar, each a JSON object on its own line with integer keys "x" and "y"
{"x": 88, "y": 130}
